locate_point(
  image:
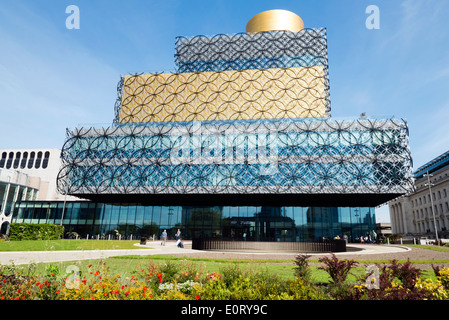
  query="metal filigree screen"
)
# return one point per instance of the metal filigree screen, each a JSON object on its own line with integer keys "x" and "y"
{"x": 224, "y": 95}
{"x": 269, "y": 156}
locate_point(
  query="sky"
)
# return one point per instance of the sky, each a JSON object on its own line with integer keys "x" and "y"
{"x": 53, "y": 78}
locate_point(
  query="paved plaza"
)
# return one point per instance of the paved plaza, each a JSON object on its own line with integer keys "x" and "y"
{"x": 354, "y": 251}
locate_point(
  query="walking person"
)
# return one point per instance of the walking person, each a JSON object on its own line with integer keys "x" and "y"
{"x": 178, "y": 234}
{"x": 164, "y": 237}
{"x": 374, "y": 236}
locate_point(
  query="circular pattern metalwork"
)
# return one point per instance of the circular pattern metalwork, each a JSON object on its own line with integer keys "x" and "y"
{"x": 224, "y": 95}
{"x": 255, "y": 156}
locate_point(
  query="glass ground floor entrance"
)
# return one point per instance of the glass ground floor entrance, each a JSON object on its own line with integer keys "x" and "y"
{"x": 251, "y": 223}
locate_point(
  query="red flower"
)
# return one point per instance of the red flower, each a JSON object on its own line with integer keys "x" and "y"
{"x": 97, "y": 273}
{"x": 89, "y": 266}
{"x": 197, "y": 296}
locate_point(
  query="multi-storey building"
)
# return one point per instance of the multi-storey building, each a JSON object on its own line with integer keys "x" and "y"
{"x": 240, "y": 140}
{"x": 426, "y": 209}
{"x": 27, "y": 175}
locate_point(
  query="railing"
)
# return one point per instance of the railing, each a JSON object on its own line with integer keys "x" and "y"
{"x": 229, "y": 245}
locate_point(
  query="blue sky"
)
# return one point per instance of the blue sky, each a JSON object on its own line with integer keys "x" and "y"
{"x": 52, "y": 78}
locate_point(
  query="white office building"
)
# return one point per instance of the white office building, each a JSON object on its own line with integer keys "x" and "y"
{"x": 426, "y": 209}
{"x": 27, "y": 174}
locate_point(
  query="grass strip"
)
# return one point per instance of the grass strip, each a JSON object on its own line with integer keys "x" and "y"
{"x": 267, "y": 261}
{"x": 68, "y": 245}
{"x": 434, "y": 248}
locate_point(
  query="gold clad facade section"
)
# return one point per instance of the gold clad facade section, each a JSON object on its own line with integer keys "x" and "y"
{"x": 275, "y": 20}
{"x": 226, "y": 95}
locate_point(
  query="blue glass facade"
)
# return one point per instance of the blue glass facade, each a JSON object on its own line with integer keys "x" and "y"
{"x": 260, "y": 223}
{"x": 245, "y": 156}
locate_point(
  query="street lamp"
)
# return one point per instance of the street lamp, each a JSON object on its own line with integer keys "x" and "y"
{"x": 431, "y": 202}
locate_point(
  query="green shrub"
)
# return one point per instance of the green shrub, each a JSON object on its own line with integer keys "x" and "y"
{"x": 302, "y": 269}
{"x": 28, "y": 231}
{"x": 169, "y": 271}
{"x": 338, "y": 270}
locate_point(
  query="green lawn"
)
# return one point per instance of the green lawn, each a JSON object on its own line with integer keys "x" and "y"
{"x": 54, "y": 245}
{"x": 441, "y": 249}
{"x": 128, "y": 265}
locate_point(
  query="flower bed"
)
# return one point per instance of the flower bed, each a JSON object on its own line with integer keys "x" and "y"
{"x": 186, "y": 280}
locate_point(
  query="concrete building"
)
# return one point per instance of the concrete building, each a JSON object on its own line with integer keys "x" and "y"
{"x": 27, "y": 175}
{"x": 426, "y": 209}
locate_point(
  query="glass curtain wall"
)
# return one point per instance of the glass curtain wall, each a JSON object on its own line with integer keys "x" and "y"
{"x": 264, "y": 223}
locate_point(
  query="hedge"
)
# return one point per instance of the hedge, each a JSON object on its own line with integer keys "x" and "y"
{"x": 28, "y": 231}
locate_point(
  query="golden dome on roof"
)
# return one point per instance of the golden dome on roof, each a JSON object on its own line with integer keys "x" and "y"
{"x": 275, "y": 20}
